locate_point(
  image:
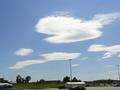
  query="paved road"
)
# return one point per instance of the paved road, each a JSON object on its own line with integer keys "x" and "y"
{"x": 103, "y": 88}
{"x": 88, "y": 88}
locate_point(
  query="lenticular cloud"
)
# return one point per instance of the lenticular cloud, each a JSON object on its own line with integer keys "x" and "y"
{"x": 67, "y": 29}
{"x": 47, "y": 57}
{"x": 109, "y": 51}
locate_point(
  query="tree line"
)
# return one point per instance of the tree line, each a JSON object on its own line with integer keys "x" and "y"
{"x": 20, "y": 79}
{"x": 67, "y": 79}
{"x": 2, "y": 80}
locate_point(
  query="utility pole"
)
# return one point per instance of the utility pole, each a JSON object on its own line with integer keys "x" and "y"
{"x": 118, "y": 66}
{"x": 70, "y": 69}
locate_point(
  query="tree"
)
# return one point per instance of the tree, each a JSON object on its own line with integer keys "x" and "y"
{"x": 18, "y": 79}
{"x": 2, "y": 80}
{"x": 42, "y": 80}
{"x": 27, "y": 79}
{"x": 66, "y": 79}
{"x": 74, "y": 79}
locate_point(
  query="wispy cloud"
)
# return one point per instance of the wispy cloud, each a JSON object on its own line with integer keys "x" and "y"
{"x": 68, "y": 29}
{"x": 75, "y": 65}
{"x": 108, "y": 66}
{"x": 114, "y": 72}
{"x": 83, "y": 58}
{"x": 24, "y": 52}
{"x": 23, "y": 64}
{"x": 109, "y": 51}
{"x": 60, "y": 56}
{"x": 56, "y": 56}
{"x": 61, "y": 13}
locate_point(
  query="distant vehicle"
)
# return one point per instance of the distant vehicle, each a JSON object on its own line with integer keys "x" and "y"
{"x": 116, "y": 84}
{"x": 6, "y": 86}
{"x": 74, "y": 86}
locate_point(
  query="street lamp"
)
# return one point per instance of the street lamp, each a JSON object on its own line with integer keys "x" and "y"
{"x": 70, "y": 69}
{"x": 118, "y": 71}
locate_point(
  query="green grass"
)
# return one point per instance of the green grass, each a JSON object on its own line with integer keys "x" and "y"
{"x": 36, "y": 85}
{"x": 22, "y": 86}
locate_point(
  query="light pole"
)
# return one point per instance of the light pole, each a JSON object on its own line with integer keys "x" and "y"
{"x": 70, "y": 69}
{"x": 118, "y": 71}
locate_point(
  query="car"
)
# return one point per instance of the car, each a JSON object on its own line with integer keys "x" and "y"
{"x": 6, "y": 86}
{"x": 73, "y": 86}
{"x": 77, "y": 88}
{"x": 116, "y": 84}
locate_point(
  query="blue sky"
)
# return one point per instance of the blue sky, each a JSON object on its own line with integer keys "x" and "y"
{"x": 37, "y": 37}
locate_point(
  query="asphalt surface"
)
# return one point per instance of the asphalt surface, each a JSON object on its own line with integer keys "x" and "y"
{"x": 88, "y": 88}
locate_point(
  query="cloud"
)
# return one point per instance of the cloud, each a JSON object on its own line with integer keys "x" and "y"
{"x": 83, "y": 58}
{"x": 109, "y": 51}
{"x": 114, "y": 72}
{"x": 61, "y": 13}
{"x": 24, "y": 52}
{"x": 68, "y": 29}
{"x": 55, "y": 56}
{"x": 108, "y": 66}
{"x": 60, "y": 56}
{"x": 23, "y": 64}
{"x": 119, "y": 55}
{"x": 75, "y": 65}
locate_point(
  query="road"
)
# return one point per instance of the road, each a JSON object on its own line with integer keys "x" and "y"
{"x": 88, "y": 88}
{"x": 103, "y": 88}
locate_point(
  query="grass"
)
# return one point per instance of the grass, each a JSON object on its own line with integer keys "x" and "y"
{"x": 22, "y": 86}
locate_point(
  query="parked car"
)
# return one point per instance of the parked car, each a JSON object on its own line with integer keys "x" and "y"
{"x": 116, "y": 84}
{"x": 73, "y": 86}
{"x": 6, "y": 86}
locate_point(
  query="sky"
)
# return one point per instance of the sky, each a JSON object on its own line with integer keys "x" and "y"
{"x": 39, "y": 37}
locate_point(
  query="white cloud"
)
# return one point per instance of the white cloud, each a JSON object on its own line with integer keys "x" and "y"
{"x": 114, "y": 72}
{"x": 108, "y": 66}
{"x": 119, "y": 55}
{"x": 61, "y": 13}
{"x": 23, "y": 64}
{"x": 46, "y": 58}
{"x": 109, "y": 51}
{"x": 67, "y": 29}
{"x": 75, "y": 65}
{"x": 60, "y": 56}
{"x": 84, "y": 58}
{"x": 24, "y": 52}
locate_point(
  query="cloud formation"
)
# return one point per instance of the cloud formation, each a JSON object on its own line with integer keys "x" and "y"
{"x": 75, "y": 65}
{"x": 108, "y": 66}
{"x": 67, "y": 29}
{"x": 22, "y": 64}
{"x": 44, "y": 58}
{"x": 109, "y": 51}
{"x": 24, "y": 52}
{"x": 60, "y": 56}
{"x": 61, "y": 13}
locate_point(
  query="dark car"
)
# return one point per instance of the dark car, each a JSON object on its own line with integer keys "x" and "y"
{"x": 116, "y": 84}
{"x": 6, "y": 86}
{"x": 78, "y": 88}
